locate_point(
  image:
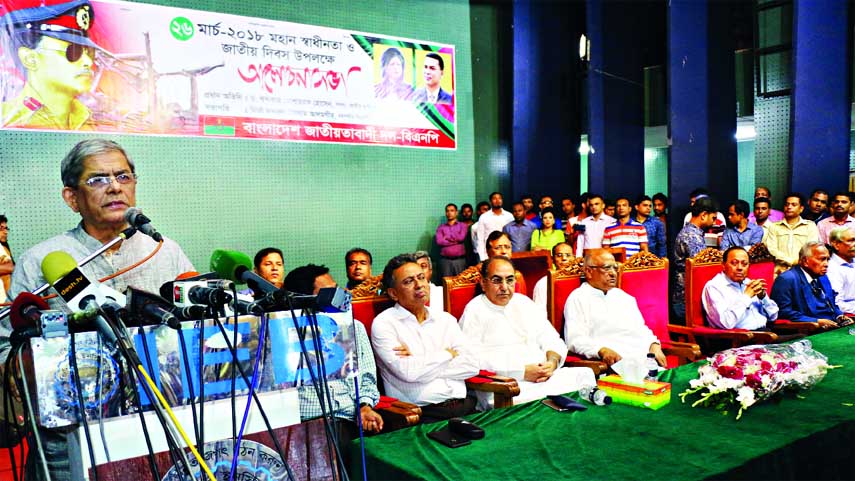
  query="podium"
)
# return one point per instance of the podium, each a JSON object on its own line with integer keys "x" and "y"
{"x": 176, "y": 366}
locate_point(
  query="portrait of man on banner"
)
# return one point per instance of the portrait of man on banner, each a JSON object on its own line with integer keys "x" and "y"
{"x": 436, "y": 85}
{"x": 48, "y": 43}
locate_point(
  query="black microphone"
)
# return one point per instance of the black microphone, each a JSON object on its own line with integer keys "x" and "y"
{"x": 209, "y": 296}
{"x": 25, "y": 316}
{"x": 152, "y": 307}
{"x": 329, "y": 299}
{"x": 136, "y": 218}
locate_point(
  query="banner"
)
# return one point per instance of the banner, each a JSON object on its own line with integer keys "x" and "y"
{"x": 123, "y": 67}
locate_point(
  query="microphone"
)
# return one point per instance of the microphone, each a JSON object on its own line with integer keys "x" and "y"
{"x": 151, "y": 307}
{"x": 79, "y": 293}
{"x": 192, "y": 288}
{"x": 329, "y": 299}
{"x": 26, "y": 316}
{"x": 136, "y": 218}
{"x": 237, "y": 266}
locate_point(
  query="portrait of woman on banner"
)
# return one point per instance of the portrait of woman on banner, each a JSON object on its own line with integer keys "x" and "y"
{"x": 392, "y": 84}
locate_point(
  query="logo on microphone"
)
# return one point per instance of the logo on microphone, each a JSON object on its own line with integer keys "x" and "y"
{"x": 72, "y": 284}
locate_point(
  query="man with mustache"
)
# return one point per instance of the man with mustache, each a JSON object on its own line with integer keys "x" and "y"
{"x": 99, "y": 182}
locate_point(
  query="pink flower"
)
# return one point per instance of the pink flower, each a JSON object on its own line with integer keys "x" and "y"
{"x": 730, "y": 372}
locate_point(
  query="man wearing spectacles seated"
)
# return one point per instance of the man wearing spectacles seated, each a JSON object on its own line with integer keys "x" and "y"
{"x": 804, "y": 293}
{"x": 423, "y": 356}
{"x": 53, "y": 50}
{"x": 511, "y": 336}
{"x": 603, "y": 322}
{"x": 100, "y": 184}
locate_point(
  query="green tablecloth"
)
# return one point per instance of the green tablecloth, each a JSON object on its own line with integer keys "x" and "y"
{"x": 789, "y": 438}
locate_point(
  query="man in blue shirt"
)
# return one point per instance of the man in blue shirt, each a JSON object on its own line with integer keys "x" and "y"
{"x": 655, "y": 228}
{"x": 741, "y": 232}
{"x": 519, "y": 230}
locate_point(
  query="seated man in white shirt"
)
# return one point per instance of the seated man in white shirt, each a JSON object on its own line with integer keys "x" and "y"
{"x": 841, "y": 270}
{"x": 562, "y": 256}
{"x": 732, "y": 301}
{"x": 511, "y": 336}
{"x": 423, "y": 356}
{"x": 603, "y": 322}
{"x": 436, "y": 298}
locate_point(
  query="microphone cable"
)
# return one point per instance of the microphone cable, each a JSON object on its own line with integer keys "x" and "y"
{"x": 262, "y": 333}
{"x": 152, "y": 462}
{"x": 356, "y": 402}
{"x": 258, "y": 404}
{"x": 12, "y": 422}
{"x": 201, "y": 354}
{"x": 191, "y": 398}
{"x": 320, "y": 391}
{"x": 99, "y": 374}
{"x": 81, "y": 405}
{"x": 29, "y": 401}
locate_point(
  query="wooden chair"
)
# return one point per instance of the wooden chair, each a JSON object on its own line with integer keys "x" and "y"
{"x": 460, "y": 289}
{"x": 533, "y": 265}
{"x": 559, "y": 285}
{"x": 763, "y": 267}
{"x": 699, "y": 270}
{"x": 645, "y": 277}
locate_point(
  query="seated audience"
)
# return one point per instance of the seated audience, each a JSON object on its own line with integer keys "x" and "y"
{"x": 762, "y": 206}
{"x": 602, "y": 321}
{"x": 270, "y": 265}
{"x": 423, "y": 259}
{"x": 689, "y": 242}
{"x": 590, "y": 230}
{"x": 358, "y": 262}
{"x": 804, "y": 294}
{"x": 451, "y": 239}
{"x": 520, "y": 229}
{"x": 492, "y": 220}
{"x": 786, "y": 237}
{"x": 817, "y": 208}
{"x": 656, "y": 242}
{"x": 740, "y": 232}
{"x": 511, "y": 336}
{"x": 548, "y": 235}
{"x": 774, "y": 214}
{"x": 841, "y": 270}
{"x": 499, "y": 245}
{"x": 625, "y": 232}
{"x": 732, "y": 301}
{"x": 310, "y": 279}
{"x": 562, "y": 257}
{"x": 424, "y": 358}
{"x": 840, "y": 217}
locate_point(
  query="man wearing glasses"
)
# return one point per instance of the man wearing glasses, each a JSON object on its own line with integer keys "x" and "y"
{"x": 511, "y": 336}
{"x": 51, "y": 45}
{"x": 100, "y": 184}
{"x": 423, "y": 357}
{"x": 602, "y": 321}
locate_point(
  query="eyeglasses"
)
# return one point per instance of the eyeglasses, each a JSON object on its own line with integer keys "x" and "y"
{"x": 564, "y": 255}
{"x": 607, "y": 267}
{"x": 104, "y": 181}
{"x": 73, "y": 51}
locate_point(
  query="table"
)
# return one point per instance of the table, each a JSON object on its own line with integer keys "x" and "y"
{"x": 787, "y": 438}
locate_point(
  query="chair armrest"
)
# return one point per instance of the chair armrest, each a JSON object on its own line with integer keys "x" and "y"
{"x": 682, "y": 332}
{"x": 399, "y": 415}
{"x": 764, "y": 337}
{"x": 802, "y": 327}
{"x": 739, "y": 337}
{"x": 598, "y": 367}
{"x": 685, "y": 351}
{"x": 503, "y": 389}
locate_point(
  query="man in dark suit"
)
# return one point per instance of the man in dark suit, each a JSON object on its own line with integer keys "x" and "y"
{"x": 432, "y": 92}
{"x": 804, "y": 293}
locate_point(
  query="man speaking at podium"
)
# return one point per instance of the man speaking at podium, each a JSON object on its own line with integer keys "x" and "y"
{"x": 99, "y": 183}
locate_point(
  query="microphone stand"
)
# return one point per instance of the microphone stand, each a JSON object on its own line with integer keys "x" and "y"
{"x": 124, "y": 235}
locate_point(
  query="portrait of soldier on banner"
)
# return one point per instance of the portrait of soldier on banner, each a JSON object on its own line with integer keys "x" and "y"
{"x": 52, "y": 55}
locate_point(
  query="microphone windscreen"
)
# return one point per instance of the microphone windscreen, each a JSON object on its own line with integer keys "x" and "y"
{"x": 24, "y": 300}
{"x": 228, "y": 264}
{"x": 187, "y": 275}
{"x": 56, "y": 265}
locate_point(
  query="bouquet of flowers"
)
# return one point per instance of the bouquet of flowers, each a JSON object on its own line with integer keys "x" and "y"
{"x": 740, "y": 377}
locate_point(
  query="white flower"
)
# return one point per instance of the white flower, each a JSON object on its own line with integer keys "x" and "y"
{"x": 745, "y": 396}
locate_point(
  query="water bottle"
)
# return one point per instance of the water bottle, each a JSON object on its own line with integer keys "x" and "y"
{"x": 652, "y": 368}
{"x": 801, "y": 346}
{"x": 593, "y": 394}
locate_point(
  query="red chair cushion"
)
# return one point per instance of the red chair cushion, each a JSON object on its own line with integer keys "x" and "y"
{"x": 366, "y": 309}
{"x": 459, "y": 297}
{"x": 649, "y": 287}
{"x": 563, "y": 288}
{"x": 696, "y": 279}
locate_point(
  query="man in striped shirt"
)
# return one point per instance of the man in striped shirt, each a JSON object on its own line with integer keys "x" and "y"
{"x": 625, "y": 232}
